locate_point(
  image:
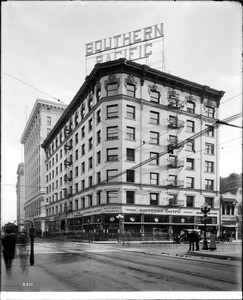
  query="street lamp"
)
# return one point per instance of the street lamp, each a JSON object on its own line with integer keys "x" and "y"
{"x": 120, "y": 217}
{"x": 205, "y": 209}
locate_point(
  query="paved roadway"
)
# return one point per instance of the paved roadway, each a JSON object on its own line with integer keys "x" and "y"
{"x": 74, "y": 266}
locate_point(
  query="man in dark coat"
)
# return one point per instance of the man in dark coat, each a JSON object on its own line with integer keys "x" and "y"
{"x": 8, "y": 248}
{"x": 191, "y": 240}
{"x": 196, "y": 239}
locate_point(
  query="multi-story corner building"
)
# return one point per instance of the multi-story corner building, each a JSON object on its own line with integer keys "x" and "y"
{"x": 20, "y": 195}
{"x": 43, "y": 117}
{"x": 124, "y": 149}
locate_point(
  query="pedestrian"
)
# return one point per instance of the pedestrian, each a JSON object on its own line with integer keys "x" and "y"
{"x": 90, "y": 236}
{"x": 23, "y": 251}
{"x": 196, "y": 239}
{"x": 8, "y": 248}
{"x": 191, "y": 240}
{"x": 212, "y": 244}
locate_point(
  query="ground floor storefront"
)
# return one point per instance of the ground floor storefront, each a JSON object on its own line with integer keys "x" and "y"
{"x": 138, "y": 222}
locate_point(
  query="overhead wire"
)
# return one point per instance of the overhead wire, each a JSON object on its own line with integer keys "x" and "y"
{"x": 32, "y": 86}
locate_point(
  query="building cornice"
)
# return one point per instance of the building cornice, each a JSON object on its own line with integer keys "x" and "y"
{"x": 38, "y": 103}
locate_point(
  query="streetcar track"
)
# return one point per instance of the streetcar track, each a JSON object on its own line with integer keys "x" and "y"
{"x": 120, "y": 263}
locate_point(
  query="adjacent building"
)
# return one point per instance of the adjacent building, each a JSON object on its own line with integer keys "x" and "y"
{"x": 127, "y": 153}
{"x": 20, "y": 195}
{"x": 43, "y": 117}
{"x": 231, "y": 205}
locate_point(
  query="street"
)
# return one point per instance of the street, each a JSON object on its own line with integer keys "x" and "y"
{"x": 85, "y": 267}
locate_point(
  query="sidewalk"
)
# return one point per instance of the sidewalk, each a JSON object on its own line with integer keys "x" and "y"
{"x": 226, "y": 251}
{"x": 33, "y": 279}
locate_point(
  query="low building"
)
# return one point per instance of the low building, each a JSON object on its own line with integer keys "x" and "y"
{"x": 127, "y": 154}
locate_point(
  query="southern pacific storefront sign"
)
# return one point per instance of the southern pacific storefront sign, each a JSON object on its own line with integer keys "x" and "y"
{"x": 116, "y": 209}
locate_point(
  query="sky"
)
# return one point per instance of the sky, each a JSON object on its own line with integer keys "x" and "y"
{"x": 43, "y": 45}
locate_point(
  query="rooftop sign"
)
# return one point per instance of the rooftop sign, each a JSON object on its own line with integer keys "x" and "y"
{"x": 134, "y": 45}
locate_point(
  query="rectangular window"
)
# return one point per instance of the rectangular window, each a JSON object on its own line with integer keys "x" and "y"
{"x": 76, "y": 138}
{"x": 48, "y": 121}
{"x": 91, "y": 162}
{"x": 210, "y": 131}
{"x": 154, "y": 96}
{"x": 110, "y": 175}
{"x": 90, "y": 103}
{"x": 154, "y": 178}
{"x": 130, "y": 175}
{"x": 130, "y": 154}
{"x": 130, "y": 133}
{"x": 131, "y": 90}
{"x": 209, "y": 166}
{"x": 130, "y": 112}
{"x": 76, "y": 171}
{"x": 190, "y": 182}
{"x": 154, "y": 199}
{"x": 190, "y": 201}
{"x": 172, "y": 199}
{"x": 83, "y": 202}
{"x": 130, "y": 197}
{"x": 190, "y": 126}
{"x": 98, "y": 94}
{"x": 190, "y": 146}
{"x": 190, "y": 164}
{"x": 112, "y": 196}
{"x": 83, "y": 149}
{"x": 83, "y": 131}
{"x": 112, "y": 89}
{"x": 154, "y": 117}
{"x": 98, "y": 137}
{"x": 90, "y": 200}
{"x": 83, "y": 184}
{"x": 209, "y": 111}
{"x": 98, "y": 177}
{"x": 209, "y": 201}
{"x": 112, "y": 133}
{"x": 98, "y": 157}
{"x": 112, "y": 154}
{"x": 209, "y": 148}
{"x": 83, "y": 167}
{"x": 154, "y": 137}
{"x": 76, "y": 154}
{"x": 90, "y": 143}
{"x": 98, "y": 116}
{"x": 98, "y": 197}
{"x": 191, "y": 107}
{"x": 90, "y": 124}
{"x": 90, "y": 181}
{"x": 60, "y": 153}
{"x": 76, "y": 205}
{"x": 209, "y": 184}
{"x": 155, "y": 157}
{"x": 76, "y": 188}
{"x": 112, "y": 111}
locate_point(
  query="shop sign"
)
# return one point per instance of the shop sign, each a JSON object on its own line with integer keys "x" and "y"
{"x": 51, "y": 219}
{"x": 78, "y": 213}
{"x": 112, "y": 209}
{"x": 92, "y": 212}
{"x": 228, "y": 218}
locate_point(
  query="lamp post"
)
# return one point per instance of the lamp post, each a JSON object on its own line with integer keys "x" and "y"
{"x": 32, "y": 232}
{"x": 205, "y": 209}
{"x": 120, "y": 217}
